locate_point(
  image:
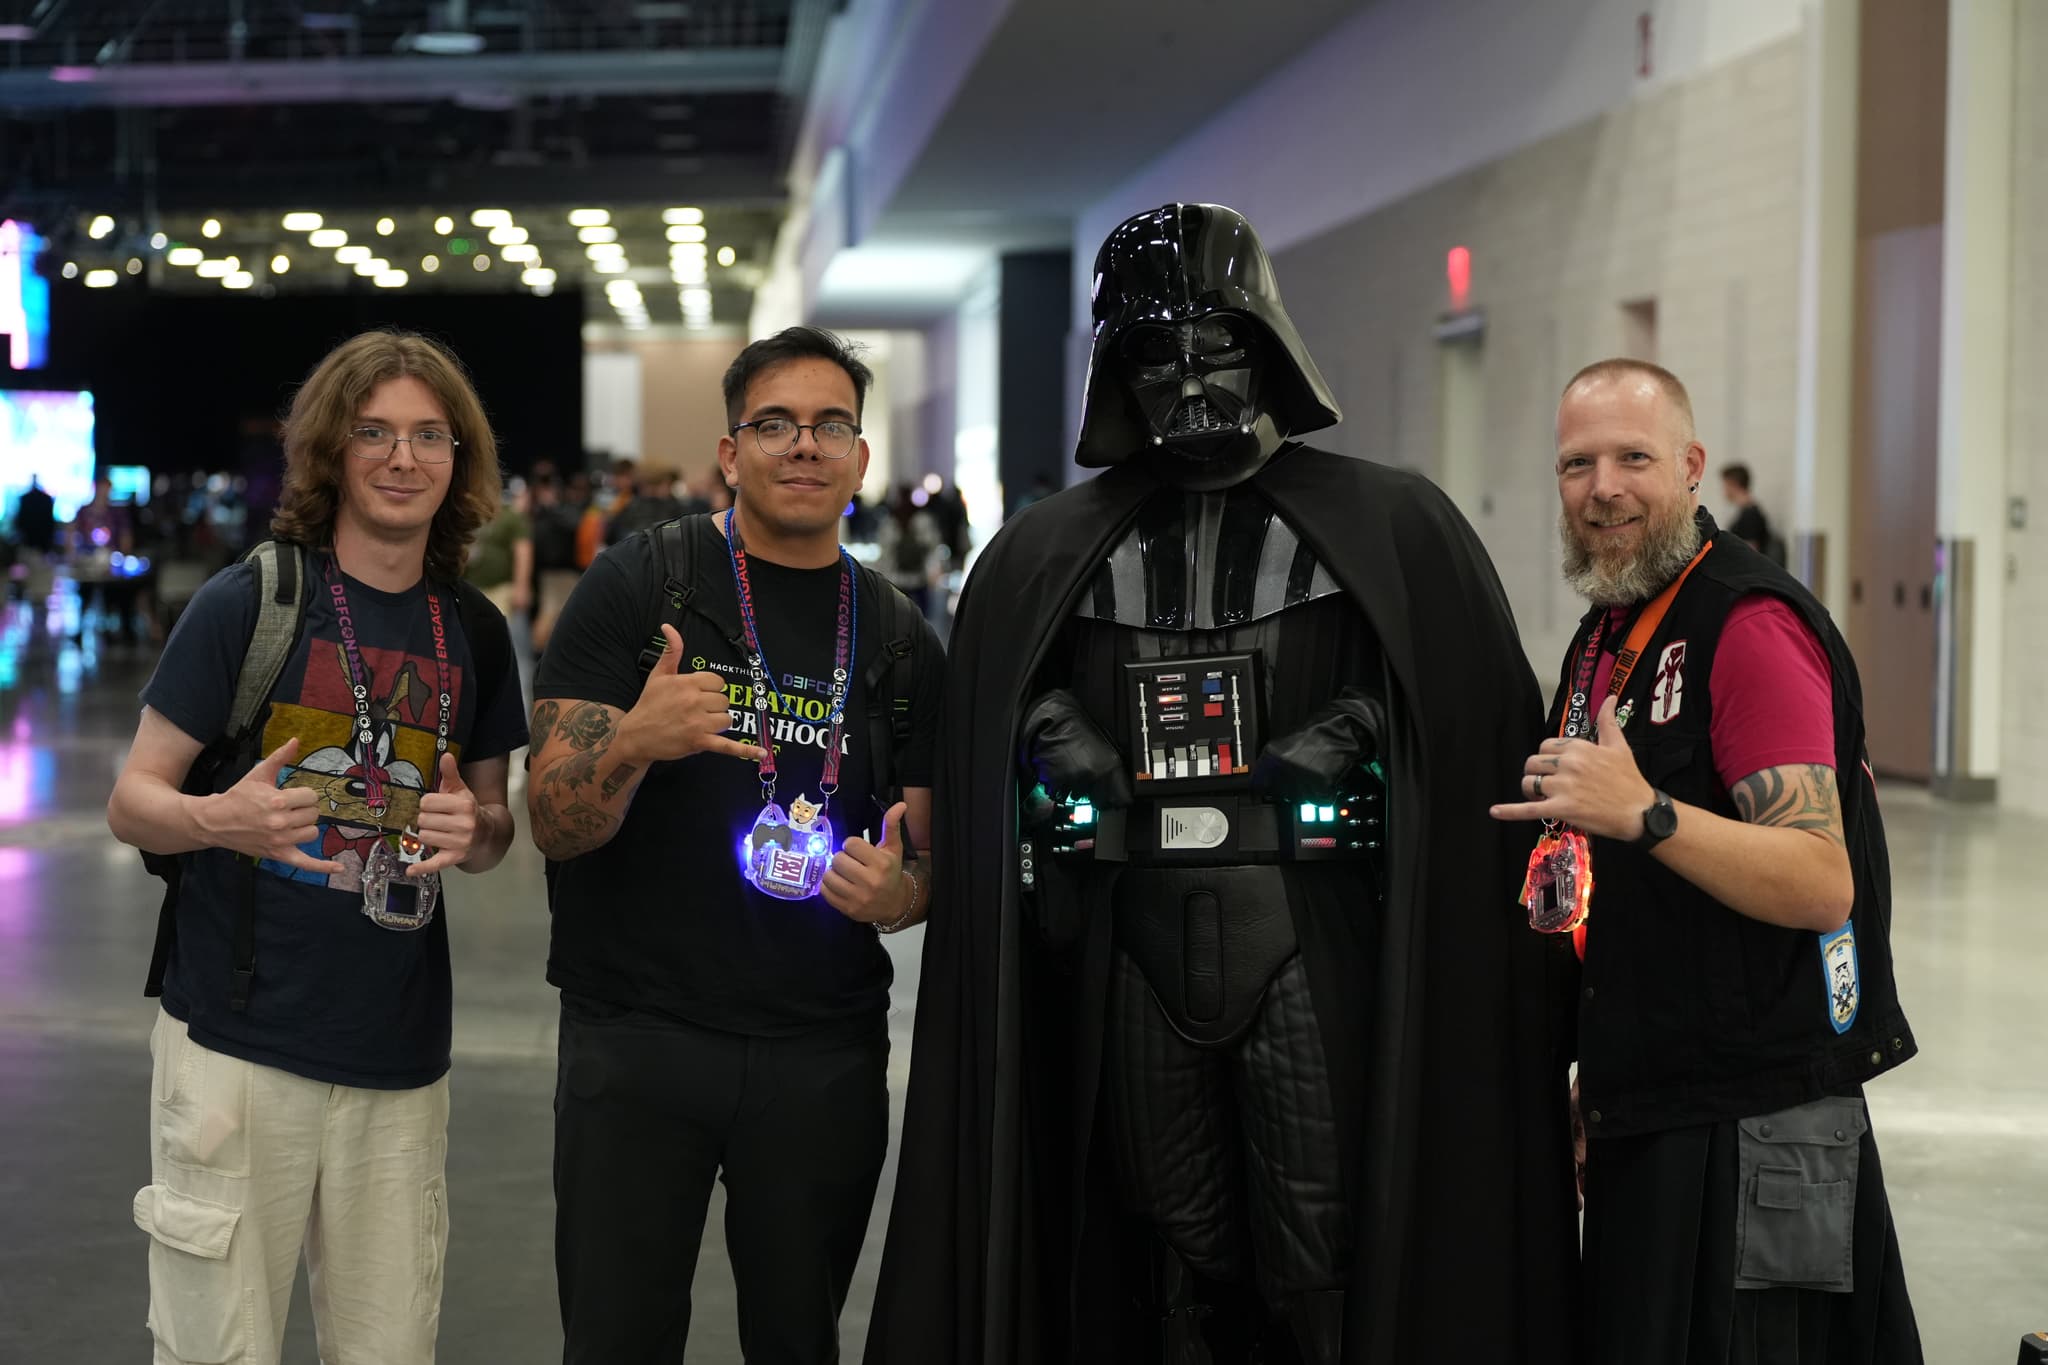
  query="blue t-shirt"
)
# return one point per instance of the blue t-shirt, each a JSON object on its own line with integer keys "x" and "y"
{"x": 336, "y": 997}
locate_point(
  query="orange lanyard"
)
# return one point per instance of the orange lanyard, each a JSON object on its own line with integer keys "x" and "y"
{"x": 1577, "y": 720}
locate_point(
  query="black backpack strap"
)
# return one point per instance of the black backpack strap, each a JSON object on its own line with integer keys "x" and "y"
{"x": 283, "y": 575}
{"x": 887, "y": 683}
{"x": 677, "y": 546}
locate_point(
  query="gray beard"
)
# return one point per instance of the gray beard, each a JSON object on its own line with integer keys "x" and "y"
{"x": 1665, "y": 551}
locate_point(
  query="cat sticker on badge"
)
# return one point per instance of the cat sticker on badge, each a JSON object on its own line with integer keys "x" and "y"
{"x": 788, "y": 851}
{"x": 1838, "y": 968}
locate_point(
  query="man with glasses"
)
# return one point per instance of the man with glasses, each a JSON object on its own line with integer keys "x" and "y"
{"x": 717, "y": 896}
{"x": 301, "y": 1056}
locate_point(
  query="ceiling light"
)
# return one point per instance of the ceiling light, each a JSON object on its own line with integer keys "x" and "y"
{"x": 611, "y": 266}
{"x": 70, "y": 270}
{"x": 480, "y": 262}
{"x": 385, "y": 227}
{"x": 280, "y": 264}
{"x": 605, "y": 251}
{"x": 520, "y": 253}
{"x": 352, "y": 255}
{"x": 506, "y": 235}
{"x": 690, "y": 251}
{"x": 430, "y": 263}
{"x": 240, "y": 279}
{"x": 597, "y": 234}
{"x": 391, "y": 279}
{"x": 444, "y": 225}
{"x": 214, "y": 270}
{"x": 101, "y": 226}
{"x": 726, "y": 255}
{"x": 371, "y": 268}
{"x": 682, "y": 215}
{"x": 537, "y": 276}
{"x": 100, "y": 279}
{"x": 327, "y": 237}
{"x": 135, "y": 265}
{"x": 448, "y": 44}
{"x": 302, "y": 222}
{"x": 543, "y": 291}
{"x": 158, "y": 240}
{"x": 210, "y": 228}
{"x": 696, "y": 298}
{"x": 184, "y": 255}
{"x": 487, "y": 218}
{"x": 686, "y": 233}
{"x": 588, "y": 218}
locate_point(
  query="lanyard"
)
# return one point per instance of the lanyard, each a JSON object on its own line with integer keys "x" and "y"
{"x": 764, "y": 677}
{"x": 1578, "y": 721}
{"x": 359, "y": 680}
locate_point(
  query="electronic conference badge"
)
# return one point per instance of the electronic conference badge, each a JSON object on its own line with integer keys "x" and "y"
{"x": 788, "y": 852}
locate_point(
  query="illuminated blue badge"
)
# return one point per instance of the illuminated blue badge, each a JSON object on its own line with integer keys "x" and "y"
{"x": 787, "y": 852}
{"x": 1838, "y": 969}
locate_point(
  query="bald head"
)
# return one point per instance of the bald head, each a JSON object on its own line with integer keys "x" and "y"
{"x": 1605, "y": 379}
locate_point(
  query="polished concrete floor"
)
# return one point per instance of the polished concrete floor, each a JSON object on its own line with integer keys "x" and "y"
{"x": 1962, "y": 1128}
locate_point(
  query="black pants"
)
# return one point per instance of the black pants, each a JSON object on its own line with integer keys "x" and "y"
{"x": 1661, "y": 1264}
{"x": 647, "y": 1112}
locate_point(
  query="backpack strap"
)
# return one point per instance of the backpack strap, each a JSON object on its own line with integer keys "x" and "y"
{"x": 677, "y": 545}
{"x": 484, "y": 626}
{"x": 283, "y": 587}
{"x": 887, "y": 683}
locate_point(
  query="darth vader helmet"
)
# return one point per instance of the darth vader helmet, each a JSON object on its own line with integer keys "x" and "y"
{"x": 1196, "y": 367}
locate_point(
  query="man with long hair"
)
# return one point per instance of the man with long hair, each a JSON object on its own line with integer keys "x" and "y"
{"x": 304, "y": 1103}
{"x": 1708, "y": 765}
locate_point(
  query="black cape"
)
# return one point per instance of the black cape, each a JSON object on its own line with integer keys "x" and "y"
{"x": 1452, "y": 1097}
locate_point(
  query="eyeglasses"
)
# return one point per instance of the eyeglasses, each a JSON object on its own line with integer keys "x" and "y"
{"x": 376, "y": 443}
{"x": 778, "y": 436}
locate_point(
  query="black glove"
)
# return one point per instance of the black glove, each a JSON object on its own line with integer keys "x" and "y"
{"x": 1317, "y": 761}
{"x": 1068, "y": 753}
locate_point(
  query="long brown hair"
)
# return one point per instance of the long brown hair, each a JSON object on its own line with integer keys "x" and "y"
{"x": 325, "y": 409}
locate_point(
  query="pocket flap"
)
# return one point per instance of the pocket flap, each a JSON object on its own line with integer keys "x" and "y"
{"x": 186, "y": 1221}
{"x": 1832, "y": 1122}
{"x": 1777, "y": 1187}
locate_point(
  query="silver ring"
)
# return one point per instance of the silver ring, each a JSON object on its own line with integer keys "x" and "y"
{"x": 1539, "y": 786}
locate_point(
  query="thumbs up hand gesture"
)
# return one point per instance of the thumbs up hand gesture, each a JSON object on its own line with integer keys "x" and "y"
{"x": 263, "y": 820}
{"x": 679, "y": 713}
{"x": 866, "y": 882}
{"x": 448, "y": 818}
{"x": 1596, "y": 787}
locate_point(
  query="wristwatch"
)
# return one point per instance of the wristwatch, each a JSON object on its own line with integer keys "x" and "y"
{"x": 1660, "y": 822}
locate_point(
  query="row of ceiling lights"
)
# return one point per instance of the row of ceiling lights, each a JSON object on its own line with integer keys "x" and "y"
{"x": 688, "y": 255}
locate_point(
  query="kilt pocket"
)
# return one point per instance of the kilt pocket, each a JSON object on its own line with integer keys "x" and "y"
{"x": 1796, "y": 1227}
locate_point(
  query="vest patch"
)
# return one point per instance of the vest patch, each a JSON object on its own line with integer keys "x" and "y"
{"x": 1839, "y": 971}
{"x": 1667, "y": 693}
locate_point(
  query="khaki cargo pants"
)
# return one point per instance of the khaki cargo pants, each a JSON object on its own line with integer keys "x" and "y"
{"x": 248, "y": 1164}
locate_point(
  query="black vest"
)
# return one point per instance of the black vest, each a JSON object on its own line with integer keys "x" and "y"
{"x": 1690, "y": 1012}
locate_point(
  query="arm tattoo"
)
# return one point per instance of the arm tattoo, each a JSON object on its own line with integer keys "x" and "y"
{"x": 1796, "y": 796}
{"x": 569, "y": 818}
{"x": 587, "y": 725}
{"x": 621, "y": 775}
{"x": 544, "y": 719}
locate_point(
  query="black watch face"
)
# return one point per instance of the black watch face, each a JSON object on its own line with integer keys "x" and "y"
{"x": 1660, "y": 821}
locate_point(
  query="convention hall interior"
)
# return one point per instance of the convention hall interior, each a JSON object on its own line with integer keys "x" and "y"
{"x": 1821, "y": 214}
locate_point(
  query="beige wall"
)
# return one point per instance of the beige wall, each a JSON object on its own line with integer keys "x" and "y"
{"x": 1689, "y": 197}
{"x": 2023, "y": 775}
{"x": 682, "y": 413}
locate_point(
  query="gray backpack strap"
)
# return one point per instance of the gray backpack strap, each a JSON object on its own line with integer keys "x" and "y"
{"x": 280, "y": 604}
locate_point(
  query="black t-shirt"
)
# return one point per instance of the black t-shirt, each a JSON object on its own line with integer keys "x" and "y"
{"x": 660, "y": 918}
{"x": 1751, "y": 525}
{"x": 336, "y": 998}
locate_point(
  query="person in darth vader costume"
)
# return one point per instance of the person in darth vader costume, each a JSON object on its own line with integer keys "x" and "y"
{"x": 1234, "y": 1044}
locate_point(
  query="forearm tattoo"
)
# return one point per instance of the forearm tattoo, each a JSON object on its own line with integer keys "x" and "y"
{"x": 569, "y": 818}
{"x": 1796, "y": 796}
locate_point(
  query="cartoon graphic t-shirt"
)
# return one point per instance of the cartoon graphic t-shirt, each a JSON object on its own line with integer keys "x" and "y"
{"x": 336, "y": 996}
